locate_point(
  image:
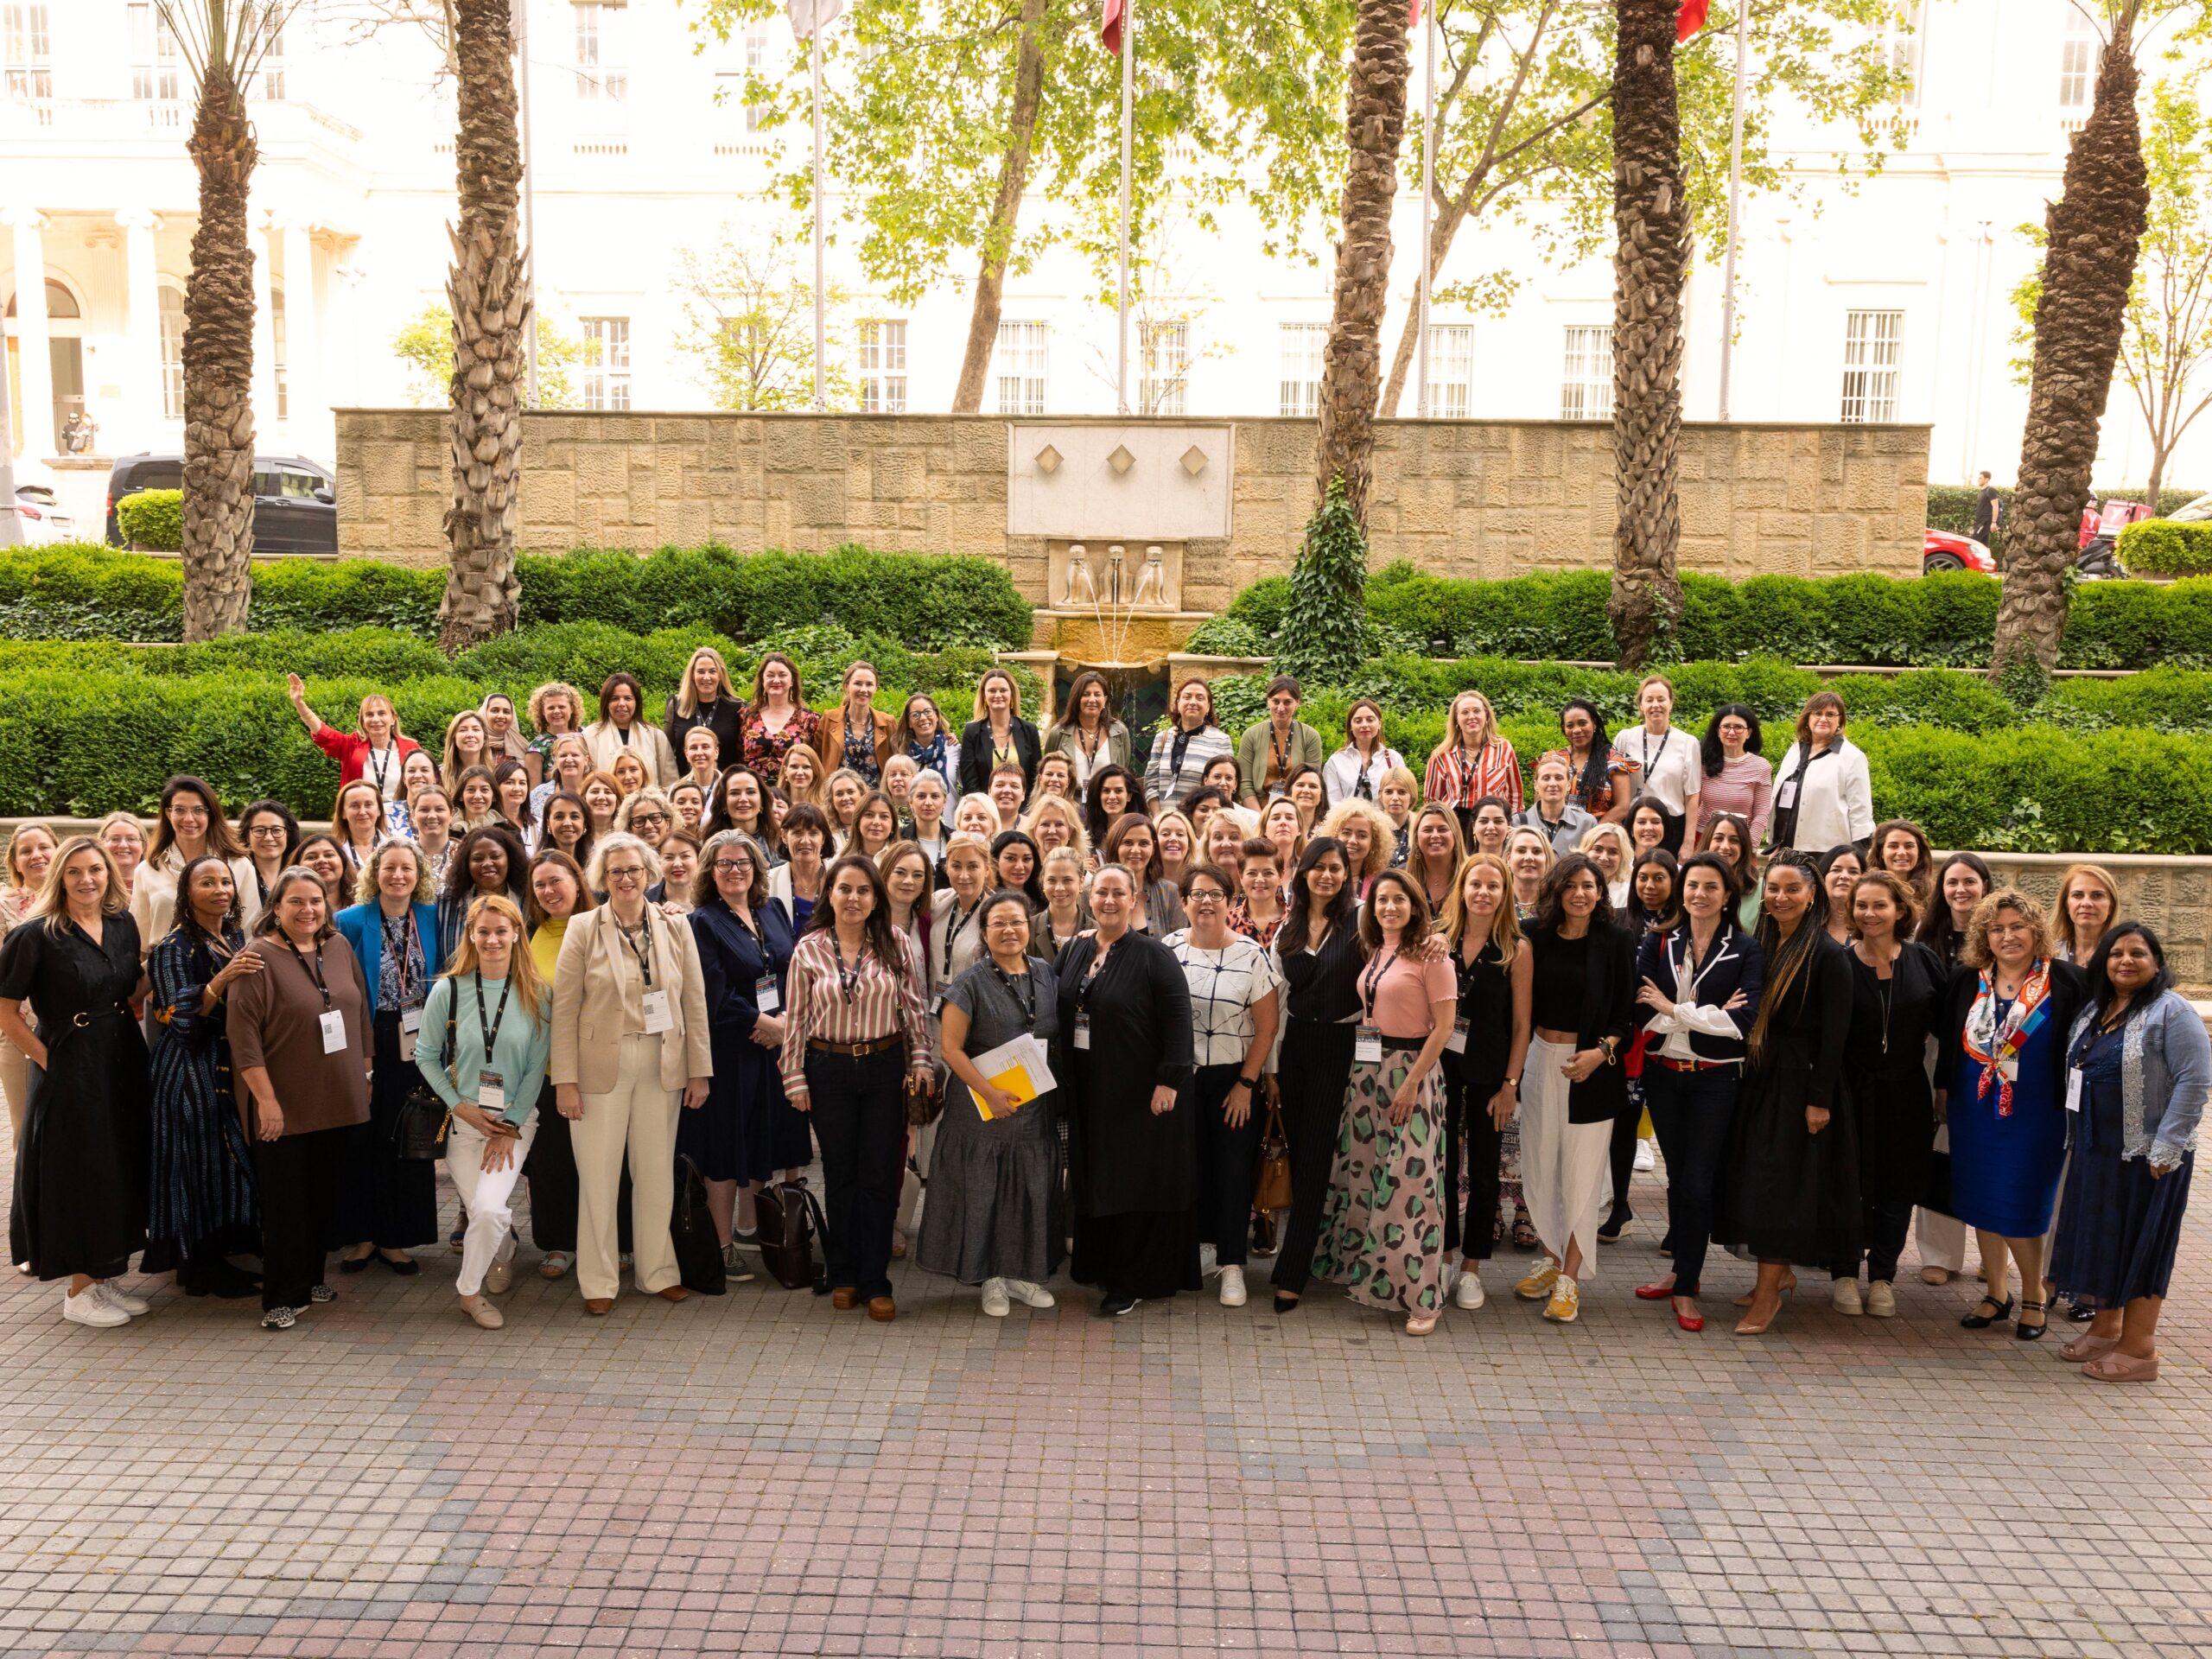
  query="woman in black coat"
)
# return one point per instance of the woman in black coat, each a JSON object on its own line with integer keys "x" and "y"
{"x": 997, "y": 734}
{"x": 1790, "y": 1186}
{"x": 1124, "y": 1066}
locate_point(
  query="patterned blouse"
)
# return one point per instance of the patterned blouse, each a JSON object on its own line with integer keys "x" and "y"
{"x": 765, "y": 750}
{"x": 1457, "y": 779}
{"x": 1226, "y": 985}
{"x": 863, "y": 1001}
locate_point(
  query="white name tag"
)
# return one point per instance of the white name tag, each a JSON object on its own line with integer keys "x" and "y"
{"x": 767, "y": 998}
{"x": 333, "y": 1032}
{"x": 1457, "y": 1042}
{"x": 492, "y": 1092}
{"x": 1786, "y": 796}
{"x": 1367, "y": 1046}
{"x": 2073, "y": 1089}
{"x": 410, "y": 1020}
{"x": 1082, "y": 1039}
{"x": 658, "y": 1017}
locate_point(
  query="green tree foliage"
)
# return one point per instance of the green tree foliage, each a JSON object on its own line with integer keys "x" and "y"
{"x": 425, "y": 344}
{"x": 748, "y": 320}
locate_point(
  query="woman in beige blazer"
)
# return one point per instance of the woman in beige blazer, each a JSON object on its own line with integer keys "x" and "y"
{"x": 631, "y": 1049}
{"x": 621, "y": 726}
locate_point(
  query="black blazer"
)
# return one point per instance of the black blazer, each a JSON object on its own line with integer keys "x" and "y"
{"x": 1608, "y": 1010}
{"x": 975, "y": 756}
{"x": 1735, "y": 964}
{"x": 2069, "y": 990}
{"x": 725, "y": 720}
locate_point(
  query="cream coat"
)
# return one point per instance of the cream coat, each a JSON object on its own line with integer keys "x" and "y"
{"x": 587, "y": 1003}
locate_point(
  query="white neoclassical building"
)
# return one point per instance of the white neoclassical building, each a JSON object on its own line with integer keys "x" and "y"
{"x": 1877, "y": 299}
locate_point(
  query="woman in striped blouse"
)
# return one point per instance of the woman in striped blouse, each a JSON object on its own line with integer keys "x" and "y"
{"x": 1471, "y": 762}
{"x": 854, "y": 1031}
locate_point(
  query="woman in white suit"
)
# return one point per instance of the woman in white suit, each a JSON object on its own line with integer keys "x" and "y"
{"x": 622, "y": 728}
{"x": 631, "y": 1049}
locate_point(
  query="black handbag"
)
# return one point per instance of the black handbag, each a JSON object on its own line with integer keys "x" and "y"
{"x": 790, "y": 1219}
{"x": 691, "y": 1229}
{"x": 418, "y": 1133}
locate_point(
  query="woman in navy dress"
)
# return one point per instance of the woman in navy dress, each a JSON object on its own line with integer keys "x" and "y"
{"x": 201, "y": 1204}
{"x": 2145, "y": 1064}
{"x": 747, "y": 1133}
{"x": 2001, "y": 1081}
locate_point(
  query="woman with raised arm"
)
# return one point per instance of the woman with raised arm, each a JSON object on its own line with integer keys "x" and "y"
{"x": 373, "y": 750}
{"x": 622, "y": 728}
{"x": 705, "y": 702}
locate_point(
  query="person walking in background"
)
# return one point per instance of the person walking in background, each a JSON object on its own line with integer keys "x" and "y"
{"x": 1988, "y": 508}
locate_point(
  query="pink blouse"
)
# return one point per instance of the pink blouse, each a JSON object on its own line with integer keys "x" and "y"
{"x": 1745, "y": 787}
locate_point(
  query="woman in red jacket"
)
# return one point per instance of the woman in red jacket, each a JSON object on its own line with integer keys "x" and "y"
{"x": 376, "y": 750}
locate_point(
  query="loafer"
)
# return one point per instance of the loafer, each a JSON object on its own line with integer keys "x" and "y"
{"x": 483, "y": 1312}
{"x": 499, "y": 1277}
{"x": 844, "y": 1299}
{"x": 597, "y": 1306}
{"x": 674, "y": 1294}
{"x": 882, "y": 1309}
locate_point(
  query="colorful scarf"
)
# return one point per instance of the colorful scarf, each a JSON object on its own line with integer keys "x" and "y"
{"x": 1995, "y": 1044}
{"x": 929, "y": 756}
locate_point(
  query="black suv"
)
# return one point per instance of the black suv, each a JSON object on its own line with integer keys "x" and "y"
{"x": 294, "y": 500}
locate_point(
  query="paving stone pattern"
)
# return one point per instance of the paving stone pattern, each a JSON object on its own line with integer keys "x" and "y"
{"x": 759, "y": 1475}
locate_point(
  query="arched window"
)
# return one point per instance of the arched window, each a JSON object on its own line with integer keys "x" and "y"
{"x": 59, "y": 303}
{"x": 172, "y": 353}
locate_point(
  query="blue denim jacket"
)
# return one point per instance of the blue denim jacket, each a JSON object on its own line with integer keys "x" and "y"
{"x": 2165, "y": 1068}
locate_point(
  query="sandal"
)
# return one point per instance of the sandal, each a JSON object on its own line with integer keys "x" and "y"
{"x": 2087, "y": 1346}
{"x": 1524, "y": 1231}
{"x": 1998, "y": 1312}
{"x": 2122, "y": 1368}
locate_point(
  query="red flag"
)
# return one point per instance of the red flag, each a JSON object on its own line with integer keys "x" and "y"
{"x": 1111, "y": 29}
{"x": 1413, "y": 15}
{"x": 1688, "y": 21}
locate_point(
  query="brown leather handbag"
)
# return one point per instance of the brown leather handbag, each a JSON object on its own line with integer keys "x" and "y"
{"x": 1271, "y": 1181}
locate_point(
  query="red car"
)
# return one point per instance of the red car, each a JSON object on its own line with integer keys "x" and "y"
{"x": 1941, "y": 550}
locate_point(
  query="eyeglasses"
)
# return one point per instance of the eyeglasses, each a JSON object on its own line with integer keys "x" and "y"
{"x": 272, "y": 832}
{"x": 733, "y": 867}
{"x": 1206, "y": 896}
{"x": 627, "y": 873}
{"x": 647, "y": 818}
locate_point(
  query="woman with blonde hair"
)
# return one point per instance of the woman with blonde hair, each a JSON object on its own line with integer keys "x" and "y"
{"x": 1280, "y": 825}
{"x": 996, "y": 735}
{"x": 487, "y": 1034}
{"x": 1436, "y": 856}
{"x": 1528, "y": 855}
{"x": 621, "y": 728}
{"x": 1483, "y": 1060}
{"x": 375, "y": 750}
{"x": 1366, "y": 837}
{"x": 647, "y": 815}
{"x": 124, "y": 834}
{"x": 602, "y": 799}
{"x": 556, "y": 710}
{"x": 1474, "y": 760}
{"x": 1052, "y": 821}
{"x": 2087, "y": 905}
{"x": 630, "y": 774}
{"x": 80, "y": 1209}
{"x": 567, "y": 763}
{"x": 22, "y": 873}
{"x": 841, "y": 800}
{"x": 467, "y": 745}
{"x": 1179, "y": 845}
{"x": 802, "y": 780}
{"x": 1614, "y": 853}
{"x": 705, "y": 701}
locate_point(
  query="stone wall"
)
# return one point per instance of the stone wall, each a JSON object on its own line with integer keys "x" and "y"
{"x": 1462, "y": 498}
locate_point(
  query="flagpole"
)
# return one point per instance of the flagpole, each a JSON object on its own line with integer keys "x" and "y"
{"x": 1428, "y": 198}
{"x": 1128, "y": 133}
{"x": 529, "y": 198}
{"x": 1735, "y": 196}
{"x": 814, "y": 70}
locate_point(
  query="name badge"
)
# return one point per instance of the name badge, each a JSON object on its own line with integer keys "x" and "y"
{"x": 767, "y": 998}
{"x": 1082, "y": 1039}
{"x": 937, "y": 1004}
{"x": 1457, "y": 1042}
{"x": 333, "y": 1032}
{"x": 658, "y": 1016}
{"x": 492, "y": 1092}
{"x": 2073, "y": 1089}
{"x": 410, "y": 1020}
{"x": 1785, "y": 797}
{"x": 1367, "y": 1046}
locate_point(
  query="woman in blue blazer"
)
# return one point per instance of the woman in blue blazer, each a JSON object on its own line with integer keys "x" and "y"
{"x": 387, "y": 1207}
{"x": 1698, "y": 986}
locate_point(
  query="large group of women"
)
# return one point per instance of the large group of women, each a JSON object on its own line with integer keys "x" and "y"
{"x": 1036, "y": 1002}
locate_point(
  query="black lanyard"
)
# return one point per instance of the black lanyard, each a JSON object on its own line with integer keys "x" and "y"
{"x": 952, "y": 932}
{"x": 313, "y": 968}
{"x": 848, "y": 978}
{"x": 1090, "y": 979}
{"x": 1023, "y": 990}
{"x": 398, "y": 949}
{"x": 1279, "y": 751}
{"x": 489, "y": 1031}
{"x": 381, "y": 770}
{"x": 1370, "y": 983}
{"x": 642, "y": 952}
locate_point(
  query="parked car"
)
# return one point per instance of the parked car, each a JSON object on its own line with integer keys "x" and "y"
{"x": 1941, "y": 550}
{"x": 40, "y": 518}
{"x": 294, "y": 500}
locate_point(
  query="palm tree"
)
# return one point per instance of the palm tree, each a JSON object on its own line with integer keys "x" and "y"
{"x": 1351, "y": 371}
{"x": 1651, "y": 228}
{"x": 222, "y": 43}
{"x": 488, "y": 286}
{"x": 2095, "y": 229}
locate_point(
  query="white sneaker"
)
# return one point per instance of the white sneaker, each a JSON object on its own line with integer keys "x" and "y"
{"x": 1208, "y": 1265}
{"x": 1232, "y": 1287}
{"x": 88, "y": 1306}
{"x": 1468, "y": 1293}
{"x": 1882, "y": 1299}
{"x": 117, "y": 1297}
{"x": 1844, "y": 1297}
{"x": 1646, "y": 1162}
{"x": 995, "y": 1300}
{"x": 1028, "y": 1293}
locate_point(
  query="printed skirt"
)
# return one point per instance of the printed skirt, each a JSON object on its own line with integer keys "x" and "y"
{"x": 1382, "y": 1224}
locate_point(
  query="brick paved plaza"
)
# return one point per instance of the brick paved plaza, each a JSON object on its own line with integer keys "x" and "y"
{"x": 758, "y": 1475}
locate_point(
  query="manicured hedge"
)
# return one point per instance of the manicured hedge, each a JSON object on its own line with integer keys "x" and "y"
{"x": 923, "y": 600}
{"x": 153, "y": 520}
{"x": 2159, "y": 547}
{"x": 88, "y": 727}
{"x": 1879, "y": 621}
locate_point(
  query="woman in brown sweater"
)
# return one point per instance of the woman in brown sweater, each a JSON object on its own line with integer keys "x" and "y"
{"x": 300, "y": 1037}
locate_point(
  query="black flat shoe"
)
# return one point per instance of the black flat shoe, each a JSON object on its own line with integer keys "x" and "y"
{"x": 1112, "y": 1307}
{"x": 406, "y": 1268}
{"x": 355, "y": 1263}
{"x": 1285, "y": 1304}
{"x": 2077, "y": 1314}
{"x": 2027, "y": 1332}
{"x": 1999, "y": 1312}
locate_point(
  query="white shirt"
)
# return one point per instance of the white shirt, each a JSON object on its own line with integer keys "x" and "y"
{"x": 1838, "y": 803}
{"x": 1342, "y": 772}
{"x": 1669, "y": 766}
{"x": 1226, "y": 985}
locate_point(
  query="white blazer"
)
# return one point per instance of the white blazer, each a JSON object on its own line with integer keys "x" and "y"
{"x": 648, "y": 743}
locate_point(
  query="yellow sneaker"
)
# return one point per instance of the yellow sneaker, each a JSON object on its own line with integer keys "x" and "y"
{"x": 1538, "y": 1285}
{"x": 1566, "y": 1303}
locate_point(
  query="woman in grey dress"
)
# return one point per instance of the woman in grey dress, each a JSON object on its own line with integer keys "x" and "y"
{"x": 993, "y": 1215}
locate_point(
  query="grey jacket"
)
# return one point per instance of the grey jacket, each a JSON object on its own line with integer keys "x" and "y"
{"x": 2165, "y": 1067}
{"x": 1575, "y": 823}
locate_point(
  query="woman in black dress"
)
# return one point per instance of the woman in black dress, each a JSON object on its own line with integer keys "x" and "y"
{"x": 1897, "y": 989}
{"x": 80, "y": 1172}
{"x": 1962, "y": 882}
{"x": 1317, "y": 947}
{"x": 1125, "y": 1064}
{"x": 1790, "y": 1182}
{"x": 1482, "y": 1061}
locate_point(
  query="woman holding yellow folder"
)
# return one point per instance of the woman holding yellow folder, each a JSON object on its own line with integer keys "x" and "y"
{"x": 993, "y": 1218}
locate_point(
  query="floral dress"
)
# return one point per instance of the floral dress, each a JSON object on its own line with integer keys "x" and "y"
{"x": 765, "y": 750}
